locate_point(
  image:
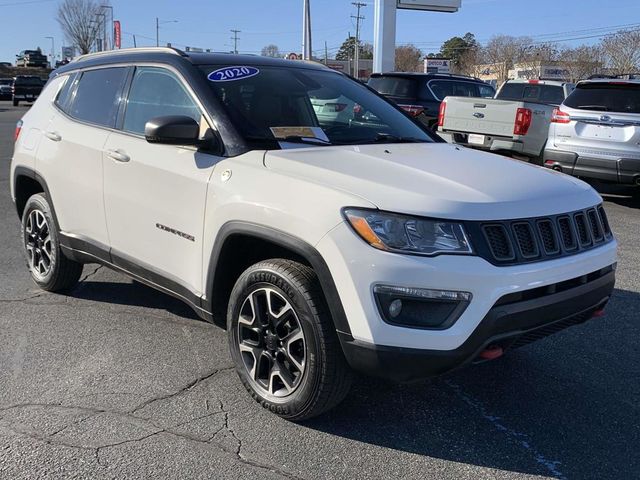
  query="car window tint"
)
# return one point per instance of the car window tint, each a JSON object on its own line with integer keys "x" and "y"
{"x": 394, "y": 86}
{"x": 453, "y": 88}
{"x": 603, "y": 97}
{"x": 552, "y": 94}
{"x": 511, "y": 91}
{"x": 156, "y": 92}
{"x": 98, "y": 95}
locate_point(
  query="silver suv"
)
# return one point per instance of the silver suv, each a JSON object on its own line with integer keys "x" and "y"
{"x": 595, "y": 133}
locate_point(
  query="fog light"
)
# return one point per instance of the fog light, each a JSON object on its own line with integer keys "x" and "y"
{"x": 420, "y": 307}
{"x": 395, "y": 308}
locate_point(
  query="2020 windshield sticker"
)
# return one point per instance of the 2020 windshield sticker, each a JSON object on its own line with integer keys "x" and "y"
{"x": 230, "y": 74}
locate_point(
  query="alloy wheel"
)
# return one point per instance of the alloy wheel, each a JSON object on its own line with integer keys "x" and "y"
{"x": 38, "y": 244}
{"x": 272, "y": 343}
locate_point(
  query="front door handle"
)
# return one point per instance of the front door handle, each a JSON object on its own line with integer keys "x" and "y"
{"x": 53, "y": 136}
{"x": 118, "y": 156}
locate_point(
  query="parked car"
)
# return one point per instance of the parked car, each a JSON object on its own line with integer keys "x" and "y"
{"x": 421, "y": 94}
{"x": 595, "y": 133}
{"x": 5, "y": 88}
{"x": 324, "y": 246}
{"x": 31, "y": 58}
{"x": 516, "y": 122}
{"x": 6, "y": 64}
{"x": 26, "y": 88}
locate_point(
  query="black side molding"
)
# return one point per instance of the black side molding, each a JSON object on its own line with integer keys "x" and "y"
{"x": 291, "y": 243}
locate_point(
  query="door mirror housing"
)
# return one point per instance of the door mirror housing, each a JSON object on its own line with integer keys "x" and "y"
{"x": 173, "y": 130}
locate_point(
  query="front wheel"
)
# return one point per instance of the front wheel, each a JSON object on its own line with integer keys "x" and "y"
{"x": 49, "y": 268}
{"x": 283, "y": 341}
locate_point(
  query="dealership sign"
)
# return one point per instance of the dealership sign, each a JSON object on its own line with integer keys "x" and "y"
{"x": 431, "y": 5}
{"x": 117, "y": 34}
{"x": 437, "y": 65}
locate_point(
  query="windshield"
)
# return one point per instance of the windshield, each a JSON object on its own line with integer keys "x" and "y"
{"x": 265, "y": 103}
{"x": 606, "y": 97}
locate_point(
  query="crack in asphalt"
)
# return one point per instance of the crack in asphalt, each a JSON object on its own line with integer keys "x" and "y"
{"x": 49, "y": 438}
{"x": 187, "y": 387}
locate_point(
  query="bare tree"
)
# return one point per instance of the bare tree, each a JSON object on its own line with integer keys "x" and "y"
{"x": 271, "y": 50}
{"x": 623, "y": 51}
{"x": 408, "y": 59}
{"x": 581, "y": 62}
{"x": 531, "y": 58}
{"x": 502, "y": 52}
{"x": 80, "y": 22}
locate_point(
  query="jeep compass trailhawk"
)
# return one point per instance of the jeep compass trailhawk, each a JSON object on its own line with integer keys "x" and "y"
{"x": 327, "y": 244}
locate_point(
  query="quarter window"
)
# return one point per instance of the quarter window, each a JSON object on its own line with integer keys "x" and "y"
{"x": 156, "y": 92}
{"x": 98, "y": 96}
{"x": 64, "y": 96}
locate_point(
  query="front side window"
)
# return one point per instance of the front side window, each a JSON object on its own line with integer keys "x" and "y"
{"x": 98, "y": 96}
{"x": 346, "y": 111}
{"x": 156, "y": 92}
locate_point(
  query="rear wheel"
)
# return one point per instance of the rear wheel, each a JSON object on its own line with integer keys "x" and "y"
{"x": 283, "y": 341}
{"x": 49, "y": 268}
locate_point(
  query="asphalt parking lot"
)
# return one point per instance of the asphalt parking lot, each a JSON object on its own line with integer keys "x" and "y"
{"x": 119, "y": 381}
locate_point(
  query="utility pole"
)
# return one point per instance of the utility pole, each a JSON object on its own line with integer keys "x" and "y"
{"x": 157, "y": 32}
{"x": 356, "y": 54}
{"x": 326, "y": 53}
{"x": 235, "y": 39}
{"x": 53, "y": 52}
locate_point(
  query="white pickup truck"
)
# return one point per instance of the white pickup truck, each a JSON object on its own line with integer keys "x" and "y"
{"x": 515, "y": 122}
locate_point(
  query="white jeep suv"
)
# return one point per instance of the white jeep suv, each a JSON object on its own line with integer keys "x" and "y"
{"x": 325, "y": 244}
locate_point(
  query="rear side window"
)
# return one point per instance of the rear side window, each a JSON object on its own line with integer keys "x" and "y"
{"x": 156, "y": 92}
{"x": 97, "y": 96}
{"x": 394, "y": 86}
{"x": 603, "y": 97}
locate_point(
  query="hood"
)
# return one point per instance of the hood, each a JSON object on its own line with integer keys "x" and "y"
{"x": 437, "y": 180}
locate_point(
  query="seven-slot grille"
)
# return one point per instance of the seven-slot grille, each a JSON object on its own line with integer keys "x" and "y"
{"x": 535, "y": 239}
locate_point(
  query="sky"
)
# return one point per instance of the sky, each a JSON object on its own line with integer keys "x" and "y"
{"x": 207, "y": 23}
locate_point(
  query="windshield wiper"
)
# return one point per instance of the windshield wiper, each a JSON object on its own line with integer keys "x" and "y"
{"x": 390, "y": 138}
{"x": 301, "y": 139}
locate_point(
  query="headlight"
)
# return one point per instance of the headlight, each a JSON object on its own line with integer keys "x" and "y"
{"x": 405, "y": 234}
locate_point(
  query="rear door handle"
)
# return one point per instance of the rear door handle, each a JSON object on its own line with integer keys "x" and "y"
{"x": 118, "y": 156}
{"x": 53, "y": 136}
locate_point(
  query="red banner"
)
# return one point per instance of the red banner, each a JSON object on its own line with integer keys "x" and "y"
{"x": 117, "y": 34}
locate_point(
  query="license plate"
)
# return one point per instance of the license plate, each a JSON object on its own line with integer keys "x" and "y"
{"x": 476, "y": 139}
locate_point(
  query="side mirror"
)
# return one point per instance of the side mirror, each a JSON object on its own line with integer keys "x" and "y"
{"x": 173, "y": 130}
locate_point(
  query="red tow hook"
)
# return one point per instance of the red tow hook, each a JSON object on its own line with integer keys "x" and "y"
{"x": 599, "y": 313}
{"x": 491, "y": 353}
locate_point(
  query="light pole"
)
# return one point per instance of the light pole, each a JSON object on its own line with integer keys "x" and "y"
{"x": 111, "y": 23}
{"x": 53, "y": 51}
{"x": 158, "y": 23}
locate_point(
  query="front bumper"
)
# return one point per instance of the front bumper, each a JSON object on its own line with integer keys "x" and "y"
{"x": 508, "y": 324}
{"x": 610, "y": 168}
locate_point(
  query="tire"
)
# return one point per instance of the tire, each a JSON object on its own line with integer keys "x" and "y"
{"x": 295, "y": 378}
{"x": 49, "y": 268}
{"x": 16, "y": 102}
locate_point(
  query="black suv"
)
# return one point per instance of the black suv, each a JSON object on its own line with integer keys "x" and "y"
{"x": 420, "y": 94}
{"x": 26, "y": 88}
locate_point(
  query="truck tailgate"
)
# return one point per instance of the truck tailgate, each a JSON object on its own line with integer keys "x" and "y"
{"x": 481, "y": 115}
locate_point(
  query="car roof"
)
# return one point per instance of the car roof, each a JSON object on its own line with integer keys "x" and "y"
{"x": 558, "y": 83}
{"x": 615, "y": 81}
{"x": 175, "y": 56}
{"x": 431, "y": 76}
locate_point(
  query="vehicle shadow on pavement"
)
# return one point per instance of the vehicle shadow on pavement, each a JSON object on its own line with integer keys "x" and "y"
{"x": 565, "y": 407}
{"x": 133, "y": 294}
{"x": 622, "y": 195}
